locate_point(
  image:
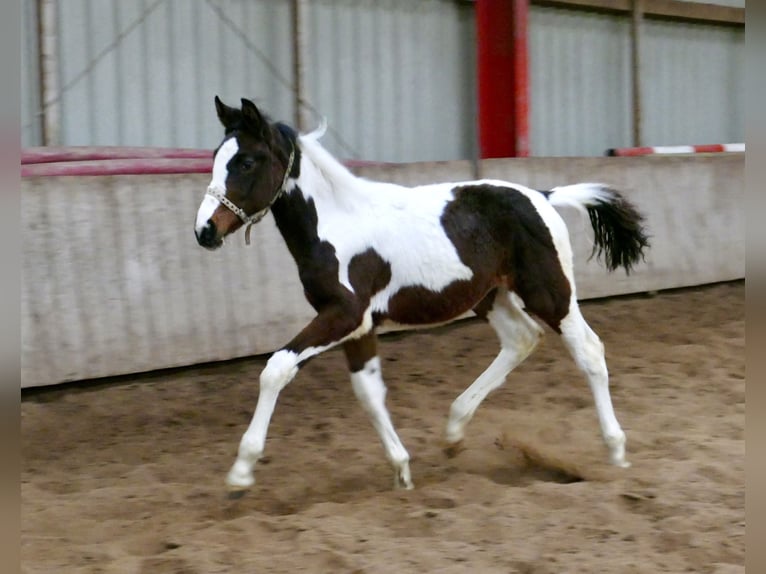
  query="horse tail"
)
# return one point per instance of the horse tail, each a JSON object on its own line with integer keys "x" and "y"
{"x": 619, "y": 233}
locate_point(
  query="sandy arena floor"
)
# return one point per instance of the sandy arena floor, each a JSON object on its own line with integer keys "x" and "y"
{"x": 128, "y": 476}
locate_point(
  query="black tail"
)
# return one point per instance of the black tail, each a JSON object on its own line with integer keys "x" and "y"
{"x": 619, "y": 232}
{"x": 618, "y": 227}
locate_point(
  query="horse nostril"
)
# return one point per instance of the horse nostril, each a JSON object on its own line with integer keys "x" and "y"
{"x": 207, "y": 235}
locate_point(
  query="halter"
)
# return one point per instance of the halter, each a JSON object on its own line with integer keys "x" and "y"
{"x": 249, "y": 220}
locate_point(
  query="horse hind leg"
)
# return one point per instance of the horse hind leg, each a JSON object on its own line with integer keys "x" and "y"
{"x": 519, "y": 335}
{"x": 588, "y": 352}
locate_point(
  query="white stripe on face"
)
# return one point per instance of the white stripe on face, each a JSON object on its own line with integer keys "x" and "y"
{"x": 209, "y": 203}
{"x": 227, "y": 151}
{"x": 206, "y": 209}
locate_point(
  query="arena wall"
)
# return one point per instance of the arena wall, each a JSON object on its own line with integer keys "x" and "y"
{"x": 113, "y": 281}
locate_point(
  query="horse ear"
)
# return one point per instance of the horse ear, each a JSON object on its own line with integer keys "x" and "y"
{"x": 254, "y": 119}
{"x": 228, "y": 116}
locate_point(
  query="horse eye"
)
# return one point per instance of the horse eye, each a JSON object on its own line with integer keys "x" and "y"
{"x": 247, "y": 163}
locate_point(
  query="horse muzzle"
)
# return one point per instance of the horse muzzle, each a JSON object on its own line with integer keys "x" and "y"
{"x": 207, "y": 236}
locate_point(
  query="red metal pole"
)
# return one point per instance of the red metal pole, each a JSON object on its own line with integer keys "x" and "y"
{"x": 503, "y": 77}
{"x": 521, "y": 75}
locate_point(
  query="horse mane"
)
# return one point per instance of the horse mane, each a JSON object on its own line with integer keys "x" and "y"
{"x": 334, "y": 171}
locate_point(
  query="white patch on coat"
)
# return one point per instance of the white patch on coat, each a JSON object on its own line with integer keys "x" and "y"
{"x": 403, "y": 225}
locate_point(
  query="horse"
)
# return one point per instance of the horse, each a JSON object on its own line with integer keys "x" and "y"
{"x": 372, "y": 255}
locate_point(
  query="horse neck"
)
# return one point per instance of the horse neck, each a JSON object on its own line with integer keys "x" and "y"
{"x": 324, "y": 186}
{"x": 297, "y": 212}
{"x": 329, "y": 182}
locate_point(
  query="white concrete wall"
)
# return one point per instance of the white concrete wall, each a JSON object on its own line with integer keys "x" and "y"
{"x": 113, "y": 281}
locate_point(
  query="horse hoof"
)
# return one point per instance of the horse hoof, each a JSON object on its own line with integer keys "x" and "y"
{"x": 403, "y": 483}
{"x": 239, "y": 479}
{"x": 235, "y": 494}
{"x": 454, "y": 449}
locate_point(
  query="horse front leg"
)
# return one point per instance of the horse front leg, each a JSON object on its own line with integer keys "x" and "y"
{"x": 370, "y": 390}
{"x": 331, "y": 326}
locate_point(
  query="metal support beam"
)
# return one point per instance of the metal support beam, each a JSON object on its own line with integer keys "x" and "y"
{"x": 636, "y": 27}
{"x": 503, "y": 78}
{"x": 47, "y": 14}
{"x": 298, "y": 18}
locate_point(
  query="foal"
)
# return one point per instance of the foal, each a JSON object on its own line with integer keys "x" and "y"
{"x": 371, "y": 254}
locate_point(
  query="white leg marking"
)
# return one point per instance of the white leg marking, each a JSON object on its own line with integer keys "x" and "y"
{"x": 371, "y": 391}
{"x": 519, "y": 334}
{"x": 588, "y": 352}
{"x": 279, "y": 371}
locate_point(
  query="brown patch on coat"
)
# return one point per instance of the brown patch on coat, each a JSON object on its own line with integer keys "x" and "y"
{"x": 359, "y": 351}
{"x": 368, "y": 274}
{"x": 225, "y": 220}
{"x": 501, "y": 236}
{"x": 420, "y": 306}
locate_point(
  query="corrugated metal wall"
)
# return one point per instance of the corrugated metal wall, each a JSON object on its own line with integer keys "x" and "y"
{"x": 693, "y": 84}
{"x": 144, "y": 72}
{"x": 693, "y": 78}
{"x": 395, "y": 78}
{"x": 580, "y": 82}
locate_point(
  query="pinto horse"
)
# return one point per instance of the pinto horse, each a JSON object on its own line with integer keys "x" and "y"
{"x": 373, "y": 254}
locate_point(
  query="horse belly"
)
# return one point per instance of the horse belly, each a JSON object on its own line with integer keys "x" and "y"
{"x": 385, "y": 325}
{"x": 419, "y": 306}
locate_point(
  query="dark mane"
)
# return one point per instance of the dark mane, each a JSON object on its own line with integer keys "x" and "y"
{"x": 287, "y": 143}
{"x": 286, "y": 130}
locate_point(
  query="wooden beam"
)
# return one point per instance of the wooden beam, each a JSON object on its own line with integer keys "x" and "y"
{"x": 659, "y": 9}
{"x": 695, "y": 12}
{"x": 607, "y": 6}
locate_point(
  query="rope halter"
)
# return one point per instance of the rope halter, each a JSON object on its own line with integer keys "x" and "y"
{"x": 249, "y": 220}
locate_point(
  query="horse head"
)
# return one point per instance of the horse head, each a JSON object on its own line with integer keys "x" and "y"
{"x": 250, "y": 172}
